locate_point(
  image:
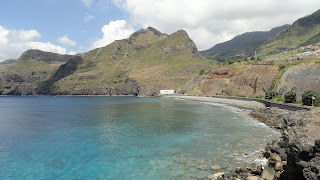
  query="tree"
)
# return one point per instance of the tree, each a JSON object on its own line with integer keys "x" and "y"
{"x": 307, "y": 97}
{"x": 270, "y": 94}
{"x": 290, "y": 97}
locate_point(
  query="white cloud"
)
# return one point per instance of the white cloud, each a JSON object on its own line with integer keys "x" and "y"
{"x": 66, "y": 41}
{"x": 115, "y": 30}
{"x": 87, "y": 17}
{"x": 72, "y": 53}
{"x": 212, "y": 21}
{"x": 14, "y": 42}
{"x": 87, "y": 3}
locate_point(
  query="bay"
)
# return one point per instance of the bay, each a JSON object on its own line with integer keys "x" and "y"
{"x": 123, "y": 138}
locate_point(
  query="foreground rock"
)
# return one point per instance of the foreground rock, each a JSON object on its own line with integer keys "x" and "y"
{"x": 295, "y": 155}
{"x": 217, "y": 176}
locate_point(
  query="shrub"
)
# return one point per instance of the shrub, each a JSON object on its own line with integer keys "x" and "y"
{"x": 316, "y": 102}
{"x": 270, "y": 94}
{"x": 290, "y": 97}
{"x": 307, "y": 97}
{"x": 279, "y": 98}
{"x": 202, "y": 71}
{"x": 282, "y": 66}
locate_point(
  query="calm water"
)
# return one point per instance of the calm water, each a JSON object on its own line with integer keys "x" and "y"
{"x": 122, "y": 138}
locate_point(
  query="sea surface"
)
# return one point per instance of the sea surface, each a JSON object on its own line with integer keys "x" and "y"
{"x": 123, "y": 138}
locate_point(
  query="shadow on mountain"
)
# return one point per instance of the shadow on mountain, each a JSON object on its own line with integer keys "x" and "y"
{"x": 47, "y": 87}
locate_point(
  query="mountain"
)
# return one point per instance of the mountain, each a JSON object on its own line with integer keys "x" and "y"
{"x": 246, "y": 43}
{"x": 22, "y": 76}
{"x": 303, "y": 32}
{"x": 141, "y": 65}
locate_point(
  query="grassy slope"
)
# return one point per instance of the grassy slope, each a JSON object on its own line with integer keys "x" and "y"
{"x": 162, "y": 61}
{"x": 25, "y": 75}
{"x": 304, "y": 30}
{"x": 247, "y": 43}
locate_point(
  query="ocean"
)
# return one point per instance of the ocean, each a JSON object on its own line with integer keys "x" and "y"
{"x": 97, "y": 137}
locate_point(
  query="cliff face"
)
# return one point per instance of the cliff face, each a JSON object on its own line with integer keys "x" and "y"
{"x": 301, "y": 78}
{"x": 245, "y": 80}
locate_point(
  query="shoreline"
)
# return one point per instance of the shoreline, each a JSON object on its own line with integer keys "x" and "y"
{"x": 249, "y": 105}
{"x": 294, "y": 155}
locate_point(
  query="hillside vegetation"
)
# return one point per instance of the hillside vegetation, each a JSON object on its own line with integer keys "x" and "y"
{"x": 246, "y": 43}
{"x": 24, "y": 75}
{"x": 141, "y": 65}
{"x": 303, "y": 32}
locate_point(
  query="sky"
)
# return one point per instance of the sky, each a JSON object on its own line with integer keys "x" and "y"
{"x": 77, "y": 26}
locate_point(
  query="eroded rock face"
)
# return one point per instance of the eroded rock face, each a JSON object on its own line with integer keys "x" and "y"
{"x": 245, "y": 80}
{"x": 301, "y": 78}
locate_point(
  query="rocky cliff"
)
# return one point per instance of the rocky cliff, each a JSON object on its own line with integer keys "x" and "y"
{"x": 301, "y": 78}
{"x": 294, "y": 155}
{"x": 244, "y": 80}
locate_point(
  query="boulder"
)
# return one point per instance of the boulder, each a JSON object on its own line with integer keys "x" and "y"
{"x": 215, "y": 167}
{"x": 255, "y": 168}
{"x": 233, "y": 177}
{"x": 202, "y": 167}
{"x": 312, "y": 171}
{"x": 317, "y": 146}
{"x": 217, "y": 176}
{"x": 274, "y": 158}
{"x": 278, "y": 166}
{"x": 266, "y": 154}
{"x": 268, "y": 173}
{"x": 252, "y": 178}
{"x": 239, "y": 170}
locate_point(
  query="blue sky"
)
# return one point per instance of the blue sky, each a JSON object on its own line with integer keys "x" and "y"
{"x": 76, "y": 26}
{"x": 57, "y": 18}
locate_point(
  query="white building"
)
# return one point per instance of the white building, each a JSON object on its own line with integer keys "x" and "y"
{"x": 165, "y": 92}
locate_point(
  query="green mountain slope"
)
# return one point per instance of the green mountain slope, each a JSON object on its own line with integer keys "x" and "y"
{"x": 24, "y": 75}
{"x": 303, "y": 32}
{"x": 246, "y": 43}
{"x": 141, "y": 65}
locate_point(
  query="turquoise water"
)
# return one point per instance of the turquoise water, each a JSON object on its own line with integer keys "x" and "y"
{"x": 122, "y": 138}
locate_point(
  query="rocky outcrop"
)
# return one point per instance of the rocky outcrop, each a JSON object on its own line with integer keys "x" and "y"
{"x": 300, "y": 78}
{"x": 295, "y": 155}
{"x": 243, "y": 80}
{"x": 39, "y": 55}
{"x": 193, "y": 86}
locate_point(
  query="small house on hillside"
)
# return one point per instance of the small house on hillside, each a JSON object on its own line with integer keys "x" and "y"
{"x": 166, "y": 92}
